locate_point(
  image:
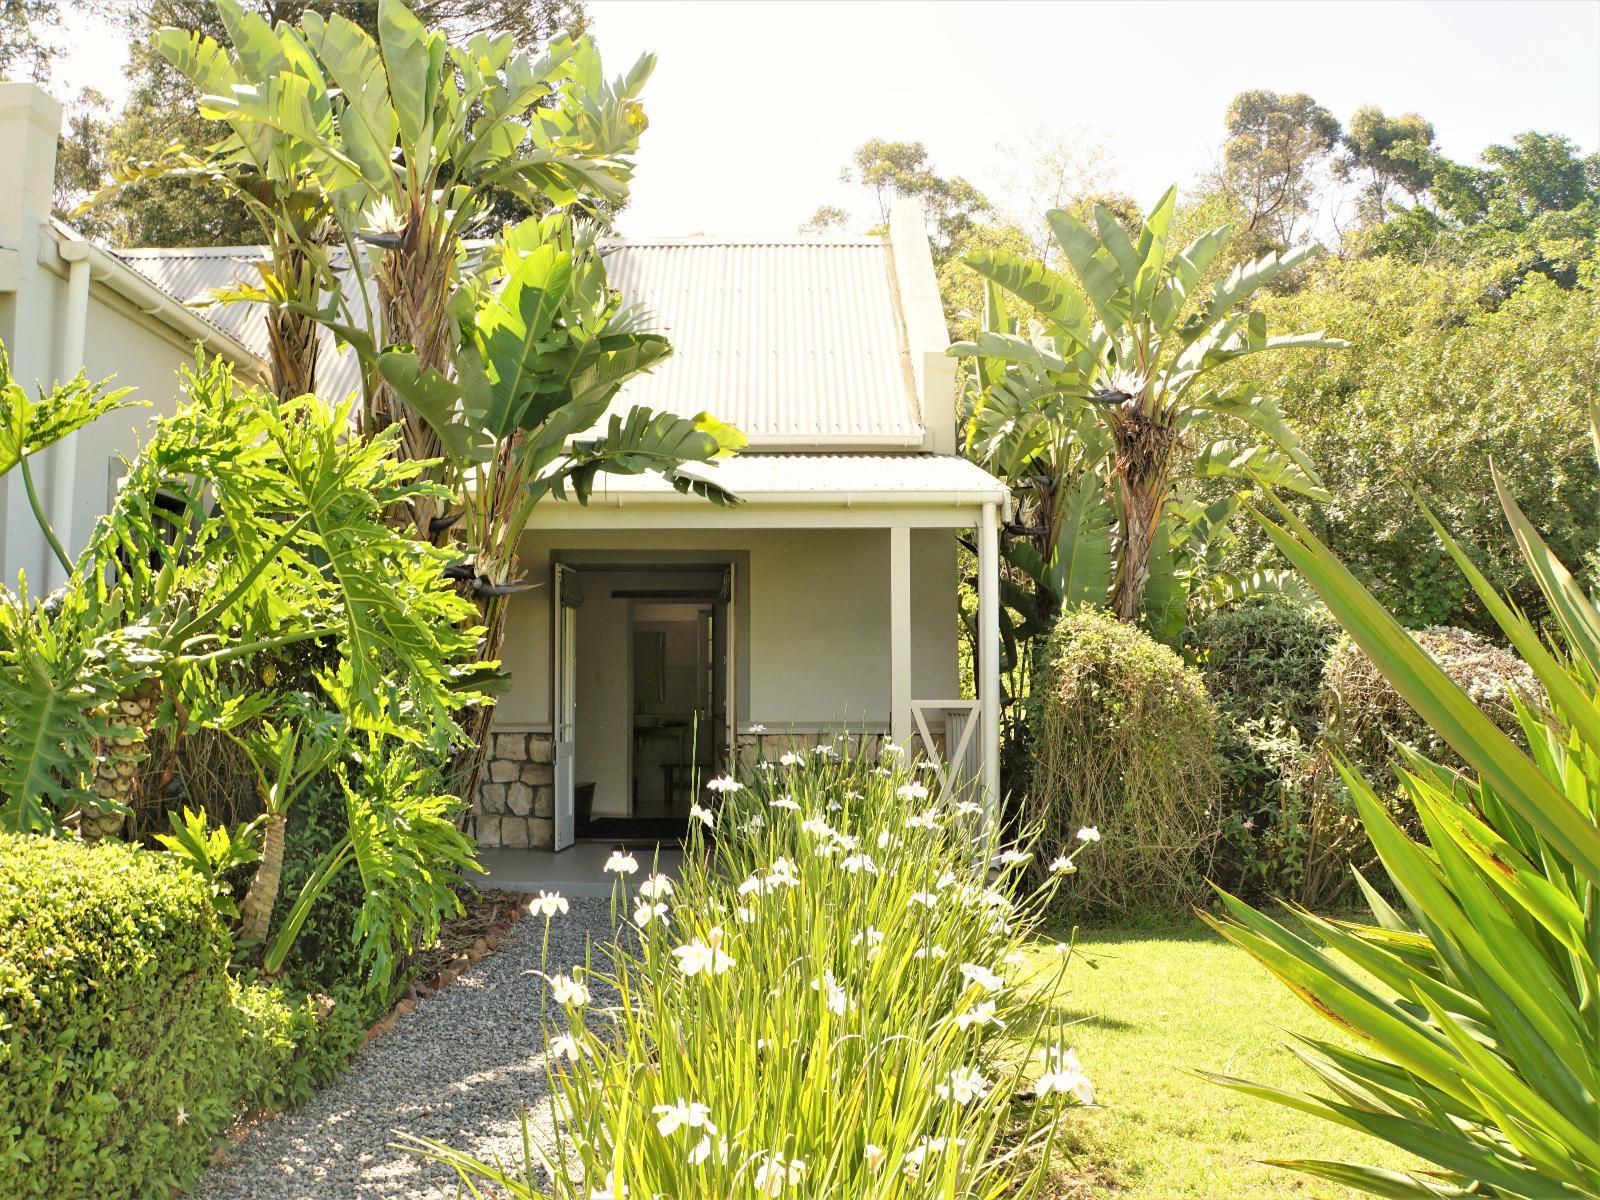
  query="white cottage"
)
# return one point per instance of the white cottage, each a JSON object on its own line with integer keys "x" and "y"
{"x": 672, "y": 634}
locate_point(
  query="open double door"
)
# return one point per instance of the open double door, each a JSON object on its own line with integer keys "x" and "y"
{"x": 566, "y": 597}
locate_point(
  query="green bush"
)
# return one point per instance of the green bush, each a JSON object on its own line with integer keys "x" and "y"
{"x": 125, "y": 1046}
{"x": 1282, "y": 825}
{"x": 1124, "y": 742}
{"x": 1446, "y": 370}
{"x": 1264, "y": 659}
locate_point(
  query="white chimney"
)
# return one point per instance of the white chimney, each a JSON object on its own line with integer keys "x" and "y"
{"x": 927, "y": 336}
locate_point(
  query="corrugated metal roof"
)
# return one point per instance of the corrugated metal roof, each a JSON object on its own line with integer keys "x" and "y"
{"x": 874, "y": 477}
{"x": 192, "y": 274}
{"x": 794, "y": 341}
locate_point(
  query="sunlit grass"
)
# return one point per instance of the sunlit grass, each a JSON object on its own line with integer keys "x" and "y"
{"x": 1150, "y": 1006}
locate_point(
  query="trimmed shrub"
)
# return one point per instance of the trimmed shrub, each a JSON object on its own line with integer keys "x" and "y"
{"x": 1125, "y": 742}
{"x": 125, "y": 1046}
{"x": 1361, "y": 712}
{"x": 1264, "y": 659}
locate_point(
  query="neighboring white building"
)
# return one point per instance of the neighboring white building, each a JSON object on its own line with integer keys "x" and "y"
{"x": 670, "y": 630}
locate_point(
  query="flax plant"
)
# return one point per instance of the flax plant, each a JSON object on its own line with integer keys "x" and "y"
{"x": 826, "y": 1002}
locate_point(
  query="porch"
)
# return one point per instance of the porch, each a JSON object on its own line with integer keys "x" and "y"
{"x": 828, "y": 599}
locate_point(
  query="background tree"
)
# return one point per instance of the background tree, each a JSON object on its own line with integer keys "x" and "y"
{"x": 827, "y": 216}
{"x": 1386, "y": 153}
{"x": 1049, "y": 168}
{"x": 1444, "y": 373}
{"x": 901, "y": 170}
{"x": 1274, "y": 146}
{"x": 26, "y": 48}
{"x": 162, "y": 109}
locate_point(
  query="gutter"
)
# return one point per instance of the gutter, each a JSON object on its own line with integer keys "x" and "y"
{"x": 62, "y": 250}
{"x": 844, "y": 499}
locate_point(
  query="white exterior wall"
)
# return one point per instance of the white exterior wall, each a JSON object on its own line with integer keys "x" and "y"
{"x": 140, "y": 350}
{"x": 811, "y": 622}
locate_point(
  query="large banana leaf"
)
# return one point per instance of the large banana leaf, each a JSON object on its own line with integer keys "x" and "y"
{"x": 1082, "y": 568}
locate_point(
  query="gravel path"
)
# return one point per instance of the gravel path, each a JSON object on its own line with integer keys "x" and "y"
{"x": 459, "y": 1069}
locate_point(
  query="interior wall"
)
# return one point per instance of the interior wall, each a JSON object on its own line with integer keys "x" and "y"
{"x": 605, "y": 663}
{"x": 812, "y": 630}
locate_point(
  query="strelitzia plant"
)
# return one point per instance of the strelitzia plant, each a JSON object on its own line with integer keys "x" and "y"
{"x": 1091, "y": 392}
{"x": 1474, "y": 1002}
{"x": 828, "y": 1000}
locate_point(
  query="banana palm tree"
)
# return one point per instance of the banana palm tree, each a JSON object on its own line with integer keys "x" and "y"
{"x": 493, "y": 367}
{"x": 1121, "y": 348}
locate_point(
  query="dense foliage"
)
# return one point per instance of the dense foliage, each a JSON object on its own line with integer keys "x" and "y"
{"x": 1100, "y": 391}
{"x": 1365, "y": 718}
{"x": 245, "y": 527}
{"x": 1124, "y": 742}
{"x": 161, "y": 110}
{"x": 1473, "y": 1000}
{"x": 1286, "y": 828}
{"x": 127, "y": 1046}
{"x": 825, "y": 1003}
{"x": 1450, "y": 365}
{"x": 370, "y": 161}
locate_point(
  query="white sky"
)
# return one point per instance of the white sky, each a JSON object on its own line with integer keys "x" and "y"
{"x": 756, "y": 105}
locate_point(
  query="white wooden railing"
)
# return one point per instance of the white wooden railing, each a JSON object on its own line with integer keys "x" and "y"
{"x": 958, "y": 763}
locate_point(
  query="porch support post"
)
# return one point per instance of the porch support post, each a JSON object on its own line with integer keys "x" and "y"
{"x": 989, "y": 654}
{"x": 900, "y": 634}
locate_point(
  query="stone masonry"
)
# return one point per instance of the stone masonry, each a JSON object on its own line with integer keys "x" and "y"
{"x": 516, "y": 799}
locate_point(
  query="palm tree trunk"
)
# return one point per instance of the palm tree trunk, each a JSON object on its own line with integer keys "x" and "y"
{"x": 1141, "y": 517}
{"x": 255, "y": 913}
{"x": 292, "y": 342}
{"x": 1143, "y": 471}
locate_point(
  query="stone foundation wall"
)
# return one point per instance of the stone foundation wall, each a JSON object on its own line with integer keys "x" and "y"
{"x": 516, "y": 800}
{"x": 754, "y": 747}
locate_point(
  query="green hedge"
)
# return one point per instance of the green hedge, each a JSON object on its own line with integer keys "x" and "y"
{"x": 125, "y": 1046}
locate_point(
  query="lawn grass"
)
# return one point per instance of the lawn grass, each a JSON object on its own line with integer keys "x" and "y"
{"x": 1156, "y": 1004}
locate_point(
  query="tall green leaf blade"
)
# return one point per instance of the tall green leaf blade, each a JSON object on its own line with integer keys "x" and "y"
{"x": 1570, "y": 604}
{"x": 1093, "y": 265}
{"x": 1048, "y": 293}
{"x": 1438, "y": 700}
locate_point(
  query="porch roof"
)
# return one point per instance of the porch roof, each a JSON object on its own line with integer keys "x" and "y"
{"x": 840, "y": 480}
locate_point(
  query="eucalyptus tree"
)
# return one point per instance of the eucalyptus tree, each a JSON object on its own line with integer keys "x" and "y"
{"x": 1118, "y": 372}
